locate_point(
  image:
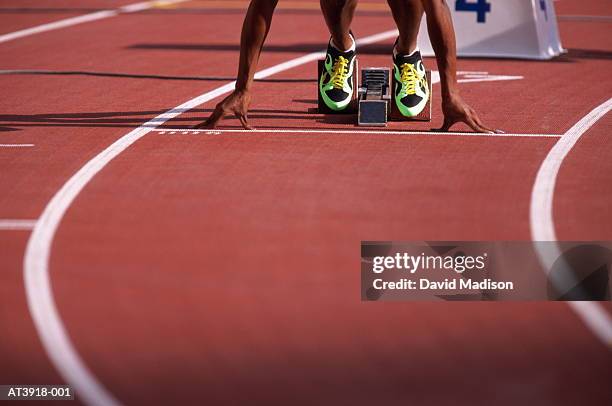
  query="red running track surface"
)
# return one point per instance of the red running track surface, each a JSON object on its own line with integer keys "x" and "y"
{"x": 220, "y": 269}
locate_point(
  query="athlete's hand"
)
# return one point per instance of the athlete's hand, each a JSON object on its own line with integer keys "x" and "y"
{"x": 236, "y": 103}
{"x": 456, "y": 110}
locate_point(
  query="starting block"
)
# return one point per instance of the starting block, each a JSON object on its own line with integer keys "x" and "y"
{"x": 374, "y": 97}
{"x": 375, "y": 104}
{"x": 372, "y": 101}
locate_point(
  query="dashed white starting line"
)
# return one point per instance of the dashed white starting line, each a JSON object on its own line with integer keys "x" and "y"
{"x": 181, "y": 131}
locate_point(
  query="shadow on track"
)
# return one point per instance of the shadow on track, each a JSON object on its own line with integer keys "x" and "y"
{"x": 572, "y": 55}
{"x": 372, "y": 49}
{"x": 133, "y": 119}
{"x": 142, "y": 76}
{"x": 576, "y": 53}
{"x": 183, "y": 10}
{"x": 48, "y": 10}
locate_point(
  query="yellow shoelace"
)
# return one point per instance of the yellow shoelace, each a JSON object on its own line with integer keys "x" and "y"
{"x": 410, "y": 78}
{"x": 339, "y": 72}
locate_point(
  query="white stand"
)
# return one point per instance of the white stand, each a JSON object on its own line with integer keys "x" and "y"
{"x": 502, "y": 29}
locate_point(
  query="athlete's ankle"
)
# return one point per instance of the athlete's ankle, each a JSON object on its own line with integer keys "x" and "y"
{"x": 405, "y": 49}
{"x": 344, "y": 44}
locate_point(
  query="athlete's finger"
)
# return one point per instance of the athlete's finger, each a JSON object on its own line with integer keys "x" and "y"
{"x": 490, "y": 129}
{"x": 211, "y": 122}
{"x": 481, "y": 126}
{"x": 243, "y": 120}
{"x": 477, "y": 127}
{"x": 473, "y": 124}
{"x": 487, "y": 128}
{"x": 446, "y": 125}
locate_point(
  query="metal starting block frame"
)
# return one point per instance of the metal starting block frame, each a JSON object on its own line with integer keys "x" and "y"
{"x": 376, "y": 106}
{"x": 374, "y": 97}
{"x": 372, "y": 102}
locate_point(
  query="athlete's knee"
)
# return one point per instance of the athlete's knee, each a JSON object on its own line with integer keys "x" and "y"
{"x": 433, "y": 3}
{"x": 337, "y": 4}
{"x": 404, "y": 2}
{"x": 267, "y": 5}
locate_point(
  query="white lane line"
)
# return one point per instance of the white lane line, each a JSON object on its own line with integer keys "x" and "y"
{"x": 487, "y": 78}
{"x": 541, "y": 213}
{"x": 171, "y": 131}
{"x": 98, "y": 15}
{"x": 16, "y": 224}
{"x": 16, "y": 145}
{"x": 45, "y": 315}
{"x": 594, "y": 316}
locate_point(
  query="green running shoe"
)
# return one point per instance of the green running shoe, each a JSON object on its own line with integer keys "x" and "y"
{"x": 336, "y": 81}
{"x": 411, "y": 87}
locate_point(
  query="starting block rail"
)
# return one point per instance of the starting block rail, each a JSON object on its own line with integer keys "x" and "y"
{"x": 373, "y": 102}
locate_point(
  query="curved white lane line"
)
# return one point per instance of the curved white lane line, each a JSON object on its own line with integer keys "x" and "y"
{"x": 594, "y": 316}
{"x": 98, "y": 15}
{"x": 47, "y": 320}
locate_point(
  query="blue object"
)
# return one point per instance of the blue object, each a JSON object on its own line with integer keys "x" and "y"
{"x": 543, "y": 8}
{"x": 480, "y": 7}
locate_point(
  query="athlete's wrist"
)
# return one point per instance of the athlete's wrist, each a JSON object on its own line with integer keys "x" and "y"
{"x": 449, "y": 89}
{"x": 243, "y": 86}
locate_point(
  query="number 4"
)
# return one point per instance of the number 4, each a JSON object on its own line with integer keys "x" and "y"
{"x": 480, "y": 7}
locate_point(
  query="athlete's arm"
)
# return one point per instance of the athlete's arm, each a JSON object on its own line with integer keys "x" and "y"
{"x": 442, "y": 36}
{"x": 254, "y": 31}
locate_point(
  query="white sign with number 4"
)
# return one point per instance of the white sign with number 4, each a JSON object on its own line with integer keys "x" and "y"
{"x": 502, "y": 29}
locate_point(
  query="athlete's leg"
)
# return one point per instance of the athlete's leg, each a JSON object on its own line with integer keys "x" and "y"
{"x": 338, "y": 16}
{"x": 407, "y": 15}
{"x": 409, "y": 78}
{"x": 336, "y": 83}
